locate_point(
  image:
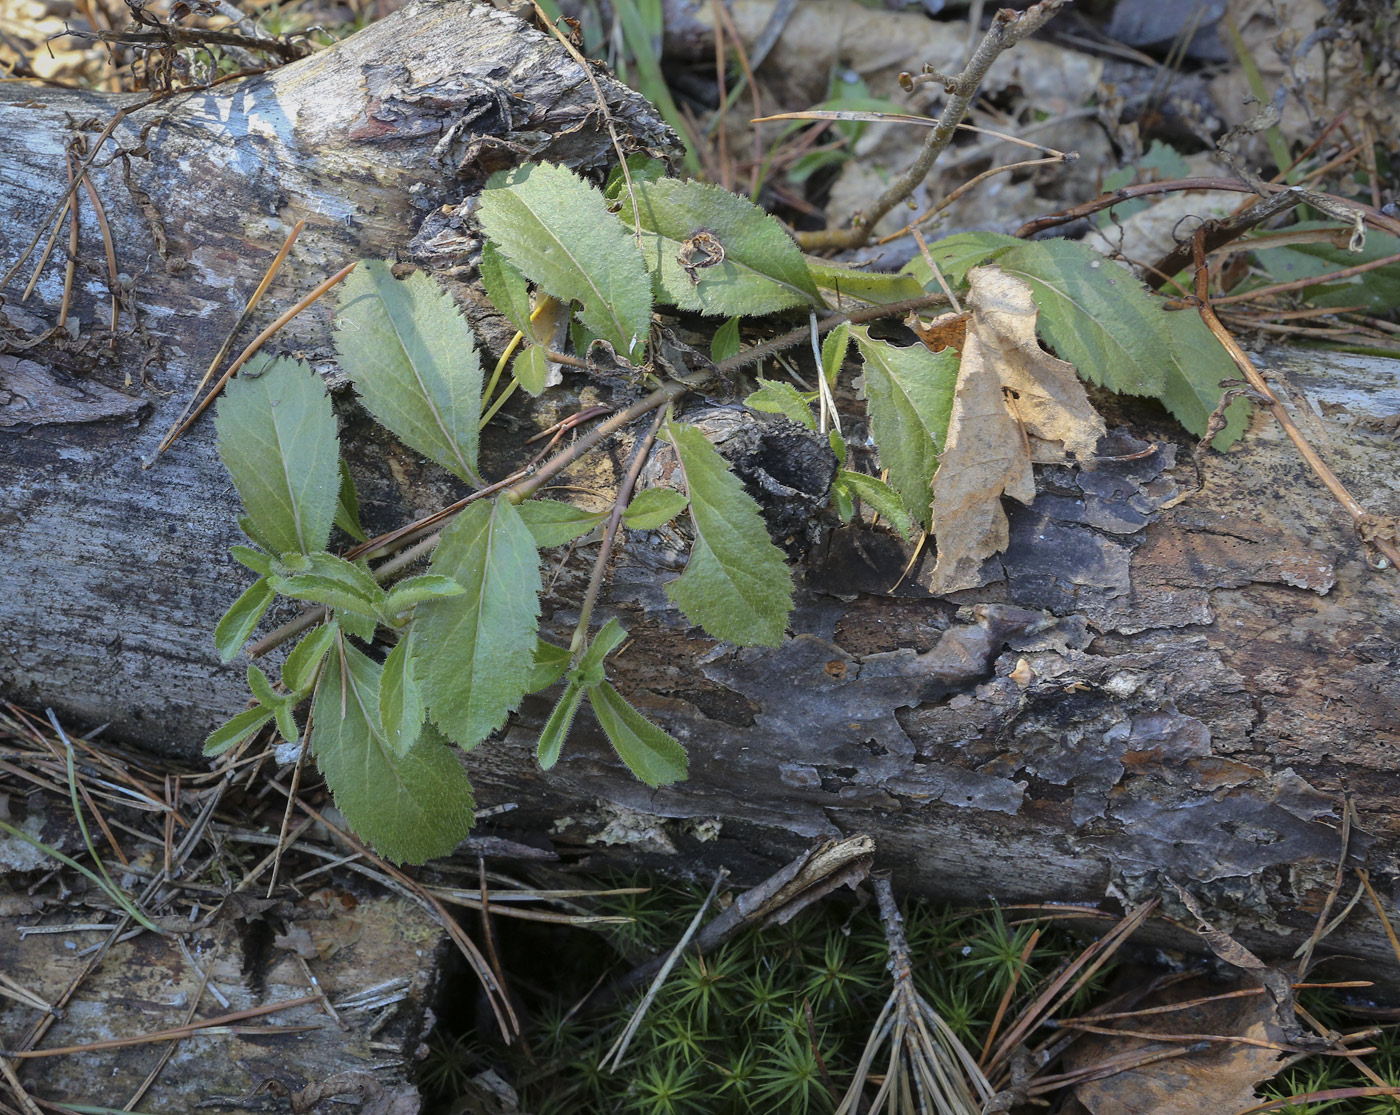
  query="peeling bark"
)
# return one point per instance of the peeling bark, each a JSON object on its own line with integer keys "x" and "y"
{"x": 1137, "y": 695}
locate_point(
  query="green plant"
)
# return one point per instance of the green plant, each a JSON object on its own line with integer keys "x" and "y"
{"x": 397, "y": 674}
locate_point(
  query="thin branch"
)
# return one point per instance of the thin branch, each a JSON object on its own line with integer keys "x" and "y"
{"x": 1008, "y": 28}
{"x": 1259, "y": 384}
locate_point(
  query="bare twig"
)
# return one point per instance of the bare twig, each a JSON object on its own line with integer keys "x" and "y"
{"x": 1261, "y": 385}
{"x": 1008, "y": 28}
{"x": 610, "y": 531}
{"x": 253, "y": 346}
{"x": 256, "y": 297}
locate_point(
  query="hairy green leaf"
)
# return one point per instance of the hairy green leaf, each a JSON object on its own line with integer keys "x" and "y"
{"x": 315, "y": 589}
{"x": 736, "y": 585}
{"x": 347, "y": 507}
{"x": 556, "y": 228}
{"x": 909, "y": 393}
{"x": 878, "y": 495}
{"x": 410, "y": 807}
{"x": 234, "y": 731}
{"x": 651, "y": 754}
{"x": 841, "y": 497}
{"x": 838, "y": 446}
{"x": 776, "y": 396}
{"x": 1095, "y": 314}
{"x": 834, "y": 351}
{"x": 589, "y": 671}
{"x": 413, "y": 360}
{"x": 242, "y": 618}
{"x": 725, "y": 342}
{"x": 556, "y": 728}
{"x": 553, "y": 522}
{"x": 299, "y": 670}
{"x": 507, "y": 288}
{"x": 286, "y": 719}
{"x": 277, "y": 439}
{"x": 414, "y": 590}
{"x": 358, "y": 624}
{"x": 531, "y": 369}
{"x": 348, "y": 588}
{"x": 400, "y": 701}
{"x": 256, "y": 560}
{"x": 717, "y": 253}
{"x": 653, "y": 507}
{"x": 476, "y": 651}
{"x": 1198, "y": 362}
{"x": 549, "y": 666}
{"x": 262, "y": 689}
{"x": 958, "y": 254}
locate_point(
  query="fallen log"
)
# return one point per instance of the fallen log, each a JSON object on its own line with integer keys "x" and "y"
{"x": 1148, "y": 690}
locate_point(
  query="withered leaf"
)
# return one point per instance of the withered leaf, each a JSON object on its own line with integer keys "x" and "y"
{"x": 1015, "y": 404}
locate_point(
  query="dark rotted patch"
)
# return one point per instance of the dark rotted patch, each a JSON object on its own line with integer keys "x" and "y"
{"x": 788, "y": 469}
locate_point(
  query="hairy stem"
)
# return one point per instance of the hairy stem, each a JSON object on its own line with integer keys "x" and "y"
{"x": 600, "y": 564}
{"x": 422, "y": 546}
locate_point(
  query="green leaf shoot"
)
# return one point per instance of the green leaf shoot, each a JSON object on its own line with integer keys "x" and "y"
{"x": 714, "y": 252}
{"x": 482, "y": 642}
{"x": 841, "y": 499}
{"x": 256, "y": 560}
{"x": 262, "y": 689}
{"x": 589, "y": 671}
{"x": 413, "y": 361}
{"x": 641, "y": 168}
{"x": 243, "y": 616}
{"x": 277, "y": 438}
{"x": 873, "y": 287}
{"x": 736, "y": 585}
{"x": 553, "y": 522}
{"x": 507, "y": 288}
{"x": 652, "y": 508}
{"x": 408, "y": 593}
{"x": 299, "y": 669}
{"x": 651, "y": 754}
{"x": 410, "y": 807}
{"x": 780, "y": 397}
{"x": 556, "y": 229}
{"x": 347, "y": 588}
{"x": 909, "y": 394}
{"x": 725, "y": 342}
{"x": 400, "y": 701}
{"x": 834, "y": 351}
{"x": 550, "y": 664}
{"x": 879, "y": 495}
{"x": 284, "y": 715}
{"x": 234, "y": 731}
{"x": 347, "y": 506}
{"x": 531, "y": 369}
{"x": 556, "y": 728}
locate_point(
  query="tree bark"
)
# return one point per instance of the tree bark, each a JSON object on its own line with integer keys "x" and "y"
{"x": 1144, "y": 692}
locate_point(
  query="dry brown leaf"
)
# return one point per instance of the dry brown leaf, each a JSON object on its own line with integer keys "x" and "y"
{"x": 1207, "y": 1078}
{"x": 1015, "y": 404}
{"x": 944, "y": 331}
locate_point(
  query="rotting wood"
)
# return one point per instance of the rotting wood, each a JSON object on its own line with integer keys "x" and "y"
{"x": 1140, "y": 695}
